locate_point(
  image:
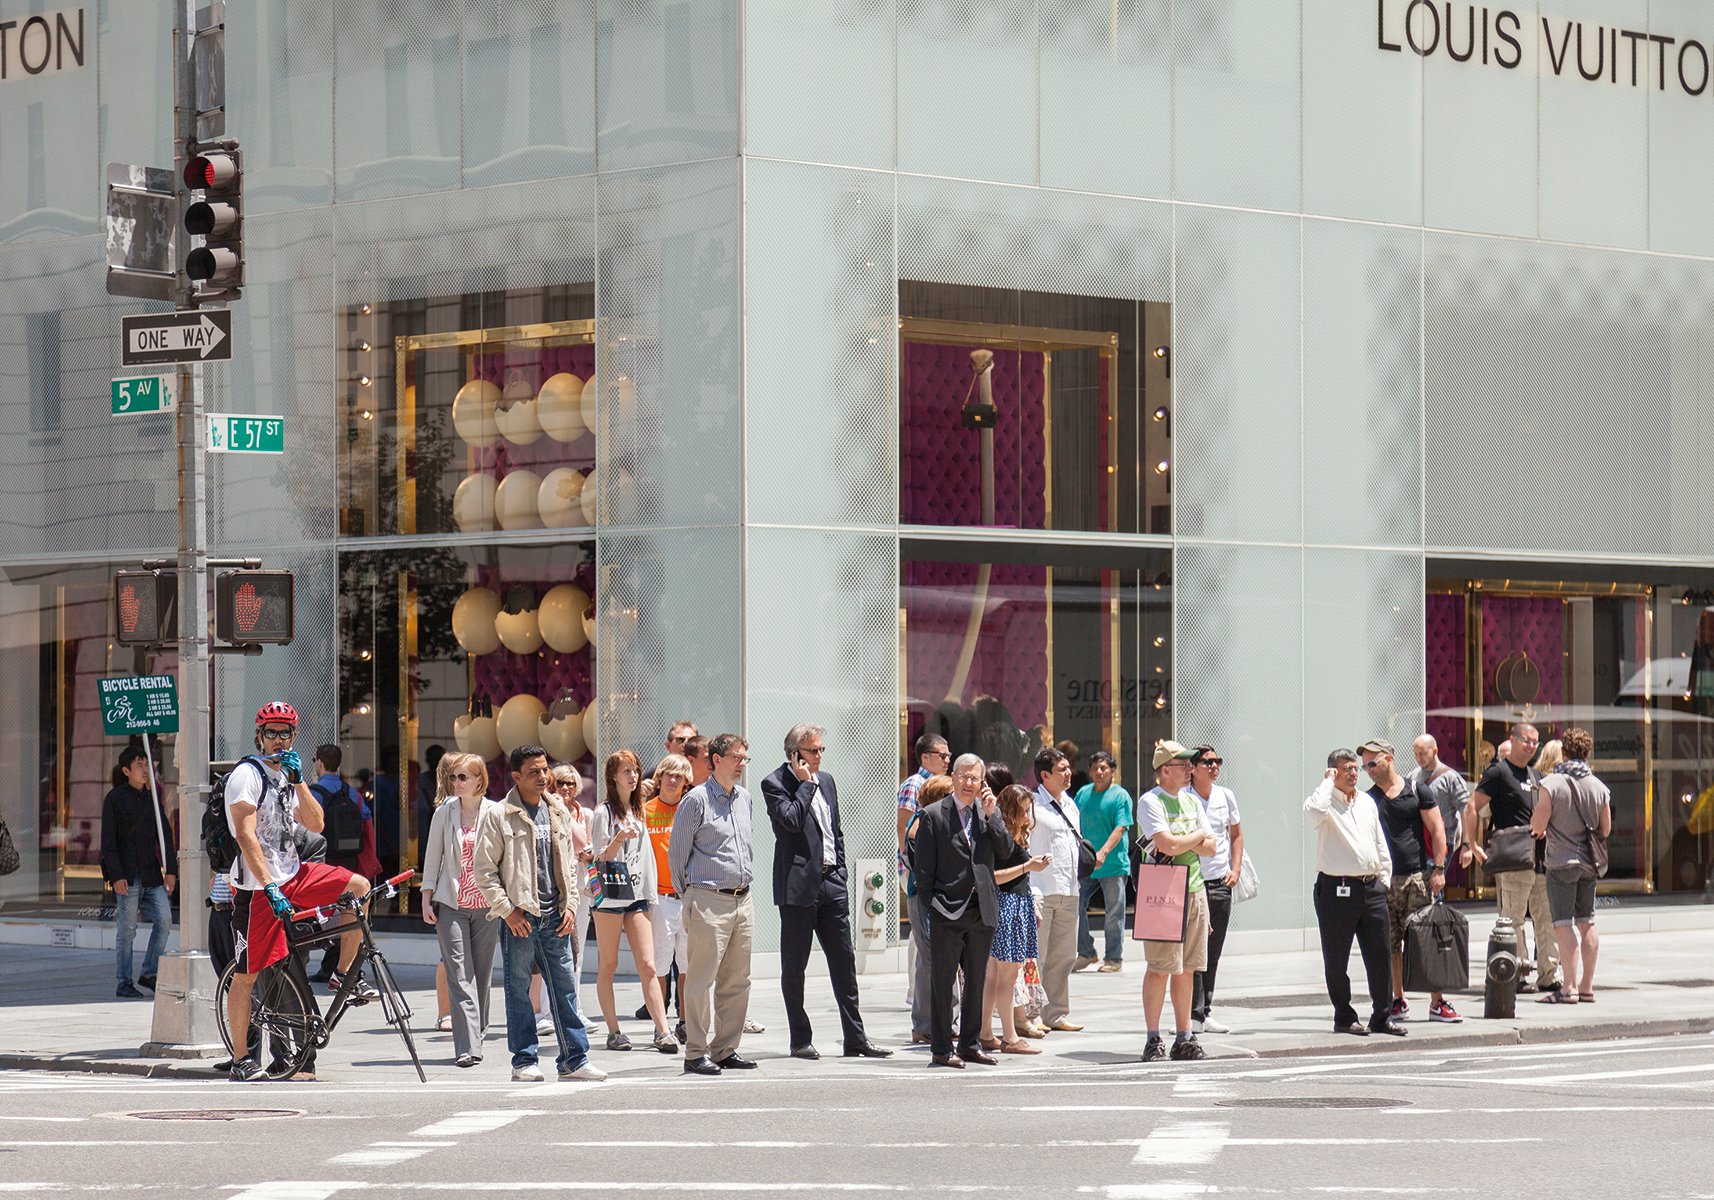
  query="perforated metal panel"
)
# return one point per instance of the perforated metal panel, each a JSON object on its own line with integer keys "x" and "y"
{"x": 968, "y": 88}
{"x": 529, "y": 96}
{"x": 48, "y": 192}
{"x": 279, "y": 101}
{"x": 1479, "y": 173}
{"x": 1360, "y": 160}
{"x": 822, "y": 646}
{"x": 1362, "y": 402}
{"x": 667, "y": 81}
{"x": 668, "y": 356}
{"x": 1236, "y": 423}
{"x": 398, "y": 70}
{"x": 834, "y": 461}
{"x": 836, "y": 105}
{"x": 1678, "y": 184}
{"x": 1114, "y": 58}
{"x": 1235, "y": 102}
{"x": 1363, "y": 648}
{"x": 1241, "y": 678}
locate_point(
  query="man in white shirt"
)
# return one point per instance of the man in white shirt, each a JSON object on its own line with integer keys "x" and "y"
{"x": 1353, "y": 868}
{"x": 1219, "y": 873}
{"x": 1056, "y": 888}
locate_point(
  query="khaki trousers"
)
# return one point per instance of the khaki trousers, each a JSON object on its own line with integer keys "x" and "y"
{"x": 1057, "y": 944}
{"x": 1521, "y": 890}
{"x": 718, "y": 931}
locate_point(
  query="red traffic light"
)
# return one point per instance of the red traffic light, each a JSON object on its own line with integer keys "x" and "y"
{"x": 252, "y": 607}
{"x": 211, "y": 172}
{"x": 145, "y": 607}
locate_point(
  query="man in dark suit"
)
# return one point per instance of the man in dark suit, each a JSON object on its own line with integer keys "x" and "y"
{"x": 957, "y": 842}
{"x": 810, "y": 889}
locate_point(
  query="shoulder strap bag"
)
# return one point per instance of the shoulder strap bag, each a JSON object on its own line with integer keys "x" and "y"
{"x": 1597, "y": 844}
{"x": 1085, "y": 852}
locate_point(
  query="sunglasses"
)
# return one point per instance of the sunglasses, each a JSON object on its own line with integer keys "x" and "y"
{"x": 461, "y": 777}
{"x": 1210, "y": 762}
{"x": 278, "y": 735}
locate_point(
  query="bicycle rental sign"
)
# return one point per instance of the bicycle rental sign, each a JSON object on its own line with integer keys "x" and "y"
{"x": 139, "y": 704}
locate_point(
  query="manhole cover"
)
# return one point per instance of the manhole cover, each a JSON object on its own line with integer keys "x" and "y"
{"x": 216, "y": 1114}
{"x": 1313, "y": 1102}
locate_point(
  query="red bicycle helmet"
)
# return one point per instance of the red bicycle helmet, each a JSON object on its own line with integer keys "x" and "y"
{"x": 277, "y": 710}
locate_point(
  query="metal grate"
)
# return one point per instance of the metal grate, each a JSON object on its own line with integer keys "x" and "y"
{"x": 1313, "y": 1102}
{"x": 216, "y": 1114}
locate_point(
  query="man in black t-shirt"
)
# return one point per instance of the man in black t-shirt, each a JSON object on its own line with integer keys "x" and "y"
{"x": 1419, "y": 862}
{"x": 1507, "y": 791}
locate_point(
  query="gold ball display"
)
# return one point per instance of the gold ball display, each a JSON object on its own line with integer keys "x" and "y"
{"x": 473, "y": 413}
{"x": 473, "y": 503}
{"x": 473, "y": 621}
{"x": 519, "y": 722}
{"x": 591, "y": 493}
{"x": 559, "y": 407}
{"x": 515, "y": 500}
{"x": 476, "y": 735}
{"x": 521, "y": 633}
{"x": 589, "y": 622}
{"x": 589, "y": 724}
{"x": 562, "y": 736}
{"x": 515, "y": 415}
{"x": 559, "y": 500}
{"x": 560, "y": 616}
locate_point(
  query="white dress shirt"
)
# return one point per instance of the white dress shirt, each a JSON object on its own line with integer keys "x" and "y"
{"x": 1055, "y": 838}
{"x": 1348, "y": 836}
{"x": 824, "y": 818}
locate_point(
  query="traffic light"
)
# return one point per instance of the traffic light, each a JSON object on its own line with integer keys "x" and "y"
{"x": 216, "y": 266}
{"x": 252, "y": 607}
{"x": 145, "y": 607}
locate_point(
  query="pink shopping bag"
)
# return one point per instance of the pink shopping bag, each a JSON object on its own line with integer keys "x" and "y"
{"x": 1162, "y": 892}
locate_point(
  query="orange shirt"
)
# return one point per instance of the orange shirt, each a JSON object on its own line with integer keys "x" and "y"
{"x": 659, "y": 815}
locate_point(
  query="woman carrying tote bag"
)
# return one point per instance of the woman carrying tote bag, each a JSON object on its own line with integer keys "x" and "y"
{"x": 625, "y": 860}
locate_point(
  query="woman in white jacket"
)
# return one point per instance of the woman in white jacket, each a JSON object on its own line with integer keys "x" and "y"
{"x": 619, "y": 833}
{"x": 454, "y": 906}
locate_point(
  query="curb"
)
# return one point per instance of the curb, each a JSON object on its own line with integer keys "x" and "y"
{"x": 141, "y": 1068}
{"x": 1598, "y": 1031}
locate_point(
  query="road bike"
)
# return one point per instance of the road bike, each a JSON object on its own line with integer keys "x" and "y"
{"x": 283, "y": 1009}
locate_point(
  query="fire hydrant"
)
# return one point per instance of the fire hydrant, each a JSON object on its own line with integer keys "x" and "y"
{"x": 1500, "y": 988}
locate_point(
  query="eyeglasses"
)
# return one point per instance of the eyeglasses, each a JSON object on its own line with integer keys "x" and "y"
{"x": 939, "y": 754}
{"x": 811, "y": 749}
{"x": 277, "y": 735}
{"x": 1210, "y": 762}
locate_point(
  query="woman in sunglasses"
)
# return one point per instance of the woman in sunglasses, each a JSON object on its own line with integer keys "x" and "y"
{"x": 454, "y": 906}
{"x": 567, "y": 785}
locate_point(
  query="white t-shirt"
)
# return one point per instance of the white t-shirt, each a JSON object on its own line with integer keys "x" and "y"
{"x": 1220, "y": 811}
{"x": 276, "y": 822}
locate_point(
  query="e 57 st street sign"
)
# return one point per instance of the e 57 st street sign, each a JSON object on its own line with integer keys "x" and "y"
{"x": 176, "y": 337}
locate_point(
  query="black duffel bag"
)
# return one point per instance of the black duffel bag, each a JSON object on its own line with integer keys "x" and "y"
{"x": 1437, "y": 950}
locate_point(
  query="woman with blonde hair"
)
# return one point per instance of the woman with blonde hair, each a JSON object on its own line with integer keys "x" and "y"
{"x": 661, "y": 794}
{"x": 453, "y": 904}
{"x": 1015, "y": 932}
{"x": 1551, "y": 755}
{"x": 619, "y": 834}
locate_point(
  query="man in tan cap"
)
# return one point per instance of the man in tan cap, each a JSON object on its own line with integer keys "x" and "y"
{"x": 1172, "y": 825}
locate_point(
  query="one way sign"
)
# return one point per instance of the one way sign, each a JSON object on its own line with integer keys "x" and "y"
{"x": 177, "y": 337}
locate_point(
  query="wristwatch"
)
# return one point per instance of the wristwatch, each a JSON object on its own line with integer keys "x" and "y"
{"x": 1431, "y": 867}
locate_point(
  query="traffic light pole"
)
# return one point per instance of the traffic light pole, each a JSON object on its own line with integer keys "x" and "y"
{"x": 184, "y": 1020}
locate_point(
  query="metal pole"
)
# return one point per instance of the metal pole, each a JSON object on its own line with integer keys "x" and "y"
{"x": 184, "y": 1024}
{"x": 155, "y": 804}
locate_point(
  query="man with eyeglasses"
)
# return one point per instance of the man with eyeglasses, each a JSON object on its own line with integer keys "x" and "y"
{"x": 1353, "y": 867}
{"x": 678, "y": 733}
{"x": 1416, "y": 838}
{"x": 1174, "y": 829}
{"x": 932, "y": 759}
{"x": 267, "y": 800}
{"x": 1219, "y": 873}
{"x": 1507, "y": 790}
{"x": 711, "y": 861}
{"x": 811, "y": 890}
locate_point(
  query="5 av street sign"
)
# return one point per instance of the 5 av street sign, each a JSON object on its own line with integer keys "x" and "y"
{"x": 145, "y": 394}
{"x": 176, "y": 337}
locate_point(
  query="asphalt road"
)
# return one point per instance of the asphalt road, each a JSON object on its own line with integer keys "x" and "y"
{"x": 1604, "y": 1119}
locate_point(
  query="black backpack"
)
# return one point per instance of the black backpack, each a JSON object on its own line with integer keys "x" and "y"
{"x": 217, "y": 840}
{"x": 342, "y": 821}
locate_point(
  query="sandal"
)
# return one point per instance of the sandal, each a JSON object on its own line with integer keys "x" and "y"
{"x": 1586, "y": 997}
{"x": 1018, "y": 1047}
{"x": 444, "y": 1025}
{"x": 1555, "y": 997}
{"x": 991, "y": 1043}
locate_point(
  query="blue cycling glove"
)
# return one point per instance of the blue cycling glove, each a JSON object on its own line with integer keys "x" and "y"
{"x": 277, "y": 901}
{"x": 293, "y": 766}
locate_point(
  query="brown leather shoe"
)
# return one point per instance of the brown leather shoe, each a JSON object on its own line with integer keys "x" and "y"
{"x": 976, "y": 1054}
{"x": 946, "y": 1060}
{"x": 1018, "y": 1047}
{"x": 920, "y": 1039}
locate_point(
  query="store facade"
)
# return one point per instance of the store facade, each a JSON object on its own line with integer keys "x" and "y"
{"x": 1271, "y": 375}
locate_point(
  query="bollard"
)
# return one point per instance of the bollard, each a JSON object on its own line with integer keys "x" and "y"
{"x": 1500, "y": 986}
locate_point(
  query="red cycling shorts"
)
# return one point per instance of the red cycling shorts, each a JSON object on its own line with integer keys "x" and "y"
{"x": 258, "y": 938}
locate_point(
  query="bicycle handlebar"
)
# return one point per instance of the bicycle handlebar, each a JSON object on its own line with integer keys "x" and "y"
{"x": 387, "y": 887}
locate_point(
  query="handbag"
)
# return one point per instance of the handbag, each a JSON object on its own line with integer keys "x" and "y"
{"x": 1437, "y": 950}
{"x": 1163, "y": 902}
{"x": 1028, "y": 993}
{"x": 1085, "y": 852}
{"x": 1597, "y": 844}
{"x": 1249, "y": 882}
{"x": 618, "y": 885}
{"x": 10, "y": 859}
{"x": 1510, "y": 851}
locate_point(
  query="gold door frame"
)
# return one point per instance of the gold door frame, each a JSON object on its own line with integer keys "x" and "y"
{"x": 1472, "y": 591}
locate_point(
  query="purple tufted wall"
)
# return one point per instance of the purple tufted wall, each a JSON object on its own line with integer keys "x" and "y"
{"x": 940, "y": 480}
{"x": 1011, "y": 655}
{"x": 1534, "y": 625}
{"x": 1446, "y": 683}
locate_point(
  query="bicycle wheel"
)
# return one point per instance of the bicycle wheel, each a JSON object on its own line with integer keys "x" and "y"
{"x": 394, "y": 1009}
{"x": 281, "y": 1016}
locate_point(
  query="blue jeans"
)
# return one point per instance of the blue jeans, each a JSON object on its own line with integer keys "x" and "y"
{"x": 551, "y": 952}
{"x": 157, "y": 911}
{"x": 1112, "y": 889}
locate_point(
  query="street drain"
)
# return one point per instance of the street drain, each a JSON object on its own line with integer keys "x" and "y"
{"x": 216, "y": 1114}
{"x": 1313, "y": 1102}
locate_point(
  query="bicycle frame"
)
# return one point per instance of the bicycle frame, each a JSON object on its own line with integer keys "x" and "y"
{"x": 323, "y": 1025}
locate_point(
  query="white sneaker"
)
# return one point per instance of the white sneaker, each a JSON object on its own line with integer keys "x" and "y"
{"x": 754, "y": 1026}
{"x": 583, "y": 1074}
{"x": 543, "y": 1024}
{"x": 529, "y": 1074}
{"x": 1210, "y": 1025}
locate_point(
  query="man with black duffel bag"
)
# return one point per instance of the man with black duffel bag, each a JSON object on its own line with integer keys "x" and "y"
{"x": 1437, "y": 949}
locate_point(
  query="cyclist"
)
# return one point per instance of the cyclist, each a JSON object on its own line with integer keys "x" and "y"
{"x": 266, "y": 801}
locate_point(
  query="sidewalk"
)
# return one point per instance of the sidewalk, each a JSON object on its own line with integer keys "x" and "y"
{"x": 57, "y": 1012}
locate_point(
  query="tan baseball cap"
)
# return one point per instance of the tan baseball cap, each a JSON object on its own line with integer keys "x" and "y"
{"x": 1376, "y": 746}
{"x": 1168, "y": 751}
